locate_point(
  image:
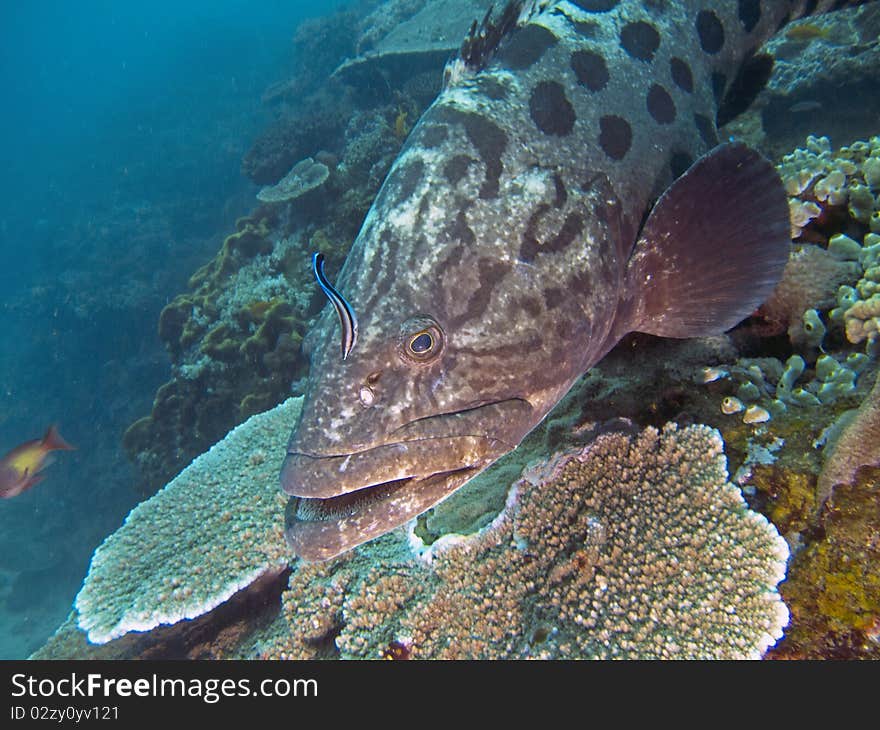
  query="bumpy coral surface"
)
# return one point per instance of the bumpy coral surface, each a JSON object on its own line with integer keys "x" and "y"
{"x": 857, "y": 446}
{"x": 235, "y": 342}
{"x": 213, "y": 530}
{"x": 635, "y": 547}
{"x": 834, "y": 585}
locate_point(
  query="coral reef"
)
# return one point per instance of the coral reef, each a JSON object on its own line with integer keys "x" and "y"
{"x": 317, "y": 124}
{"x": 406, "y": 37}
{"x": 831, "y": 278}
{"x": 634, "y": 547}
{"x": 210, "y": 532}
{"x": 774, "y": 388}
{"x": 856, "y": 446}
{"x": 824, "y": 82}
{"x": 811, "y": 280}
{"x": 217, "y": 634}
{"x": 235, "y": 341}
{"x": 833, "y": 587}
{"x": 385, "y": 18}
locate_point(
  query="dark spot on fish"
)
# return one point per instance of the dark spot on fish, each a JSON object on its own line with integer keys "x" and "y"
{"x": 456, "y": 168}
{"x": 660, "y": 105}
{"x": 550, "y": 109}
{"x": 561, "y": 192}
{"x": 711, "y": 31}
{"x": 500, "y": 353}
{"x": 749, "y": 81}
{"x": 461, "y": 231}
{"x": 491, "y": 88}
{"x": 590, "y": 69}
{"x": 491, "y": 272}
{"x": 615, "y": 136}
{"x": 526, "y": 46}
{"x": 719, "y": 83}
{"x": 706, "y": 128}
{"x": 596, "y": 6}
{"x": 563, "y": 330}
{"x": 571, "y": 231}
{"x": 529, "y": 245}
{"x": 640, "y": 40}
{"x": 679, "y": 163}
{"x": 431, "y": 136}
{"x": 488, "y": 139}
{"x": 531, "y": 305}
{"x": 447, "y": 270}
{"x": 749, "y": 14}
{"x": 408, "y": 178}
{"x": 580, "y": 281}
{"x": 553, "y": 297}
{"x": 681, "y": 75}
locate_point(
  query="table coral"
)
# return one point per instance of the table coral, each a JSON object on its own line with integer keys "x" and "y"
{"x": 305, "y": 176}
{"x": 210, "y": 532}
{"x": 635, "y": 547}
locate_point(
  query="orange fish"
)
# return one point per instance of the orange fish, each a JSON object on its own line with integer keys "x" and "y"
{"x": 20, "y": 468}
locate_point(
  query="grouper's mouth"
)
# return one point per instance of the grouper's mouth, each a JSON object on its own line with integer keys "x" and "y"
{"x": 345, "y": 499}
{"x": 324, "y": 522}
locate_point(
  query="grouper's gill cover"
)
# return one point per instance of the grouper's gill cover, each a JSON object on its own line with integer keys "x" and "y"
{"x": 520, "y": 234}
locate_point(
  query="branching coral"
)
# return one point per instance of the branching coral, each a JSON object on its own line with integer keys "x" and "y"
{"x": 635, "y": 547}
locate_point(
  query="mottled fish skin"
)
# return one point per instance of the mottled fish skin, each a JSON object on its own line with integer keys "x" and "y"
{"x": 507, "y": 228}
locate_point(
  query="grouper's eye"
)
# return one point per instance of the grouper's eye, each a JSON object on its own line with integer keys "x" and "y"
{"x": 421, "y": 343}
{"x": 421, "y": 339}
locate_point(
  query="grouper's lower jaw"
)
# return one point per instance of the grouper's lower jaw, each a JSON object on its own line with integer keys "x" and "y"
{"x": 320, "y": 529}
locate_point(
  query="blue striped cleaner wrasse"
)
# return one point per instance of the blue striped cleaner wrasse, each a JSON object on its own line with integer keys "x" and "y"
{"x": 566, "y": 187}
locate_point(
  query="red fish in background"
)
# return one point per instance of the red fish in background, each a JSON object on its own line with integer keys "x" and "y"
{"x": 20, "y": 468}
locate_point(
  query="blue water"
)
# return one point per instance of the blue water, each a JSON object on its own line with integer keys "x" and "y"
{"x": 121, "y": 137}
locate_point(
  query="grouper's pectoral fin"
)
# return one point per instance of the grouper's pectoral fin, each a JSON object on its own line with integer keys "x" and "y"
{"x": 712, "y": 249}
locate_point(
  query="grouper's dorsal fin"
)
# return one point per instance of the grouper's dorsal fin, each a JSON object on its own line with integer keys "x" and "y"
{"x": 712, "y": 249}
{"x": 484, "y": 38}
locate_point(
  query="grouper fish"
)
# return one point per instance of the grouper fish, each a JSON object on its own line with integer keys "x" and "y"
{"x": 566, "y": 187}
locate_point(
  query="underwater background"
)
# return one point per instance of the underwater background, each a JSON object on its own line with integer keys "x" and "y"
{"x": 166, "y": 174}
{"x": 122, "y": 136}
